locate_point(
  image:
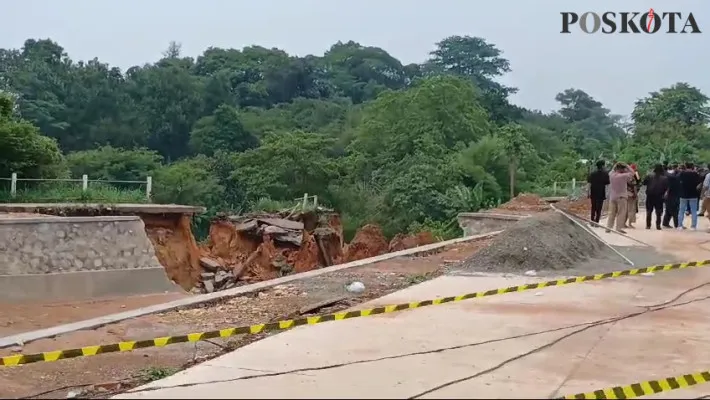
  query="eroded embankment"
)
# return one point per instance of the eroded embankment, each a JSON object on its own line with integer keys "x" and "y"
{"x": 175, "y": 247}
{"x": 243, "y": 249}
{"x": 260, "y": 247}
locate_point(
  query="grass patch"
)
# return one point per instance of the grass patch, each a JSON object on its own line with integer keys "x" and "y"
{"x": 156, "y": 373}
{"x": 71, "y": 192}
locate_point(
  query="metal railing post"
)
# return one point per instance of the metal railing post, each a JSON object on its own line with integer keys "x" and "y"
{"x": 13, "y": 185}
{"x": 148, "y": 186}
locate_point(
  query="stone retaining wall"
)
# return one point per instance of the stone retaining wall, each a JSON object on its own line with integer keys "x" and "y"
{"x": 44, "y": 245}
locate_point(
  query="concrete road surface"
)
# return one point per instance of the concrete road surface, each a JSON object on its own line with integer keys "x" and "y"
{"x": 522, "y": 345}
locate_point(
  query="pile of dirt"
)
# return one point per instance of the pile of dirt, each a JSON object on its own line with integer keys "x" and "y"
{"x": 581, "y": 207}
{"x": 403, "y": 242}
{"x": 368, "y": 242}
{"x": 524, "y": 203}
{"x": 546, "y": 241}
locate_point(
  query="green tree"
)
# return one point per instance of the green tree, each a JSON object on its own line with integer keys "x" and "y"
{"x": 681, "y": 103}
{"x": 188, "y": 181}
{"x": 431, "y": 117}
{"x": 482, "y": 62}
{"x": 23, "y": 149}
{"x": 221, "y": 131}
{"x": 516, "y": 147}
{"x": 112, "y": 163}
{"x": 286, "y": 166}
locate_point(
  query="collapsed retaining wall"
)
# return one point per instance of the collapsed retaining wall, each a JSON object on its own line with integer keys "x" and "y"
{"x": 45, "y": 255}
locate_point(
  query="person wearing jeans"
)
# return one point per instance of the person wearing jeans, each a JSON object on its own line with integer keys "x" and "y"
{"x": 689, "y": 181}
{"x": 672, "y": 197}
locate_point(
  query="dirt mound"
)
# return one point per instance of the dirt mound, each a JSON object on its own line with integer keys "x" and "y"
{"x": 524, "y": 203}
{"x": 403, "y": 242}
{"x": 175, "y": 247}
{"x": 368, "y": 242}
{"x": 581, "y": 207}
{"x": 547, "y": 241}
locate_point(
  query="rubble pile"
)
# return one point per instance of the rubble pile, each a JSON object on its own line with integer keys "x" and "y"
{"x": 254, "y": 248}
{"x": 524, "y": 203}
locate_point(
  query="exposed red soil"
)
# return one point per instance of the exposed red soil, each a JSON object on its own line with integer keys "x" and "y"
{"x": 524, "y": 203}
{"x": 175, "y": 247}
{"x": 403, "y": 242}
{"x": 368, "y": 242}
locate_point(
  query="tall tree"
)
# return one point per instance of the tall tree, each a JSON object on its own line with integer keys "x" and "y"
{"x": 221, "y": 131}
{"x": 516, "y": 146}
{"x": 483, "y": 63}
{"x": 681, "y": 103}
{"x": 22, "y": 148}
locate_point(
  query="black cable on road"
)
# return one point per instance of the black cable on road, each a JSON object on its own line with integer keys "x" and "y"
{"x": 648, "y": 309}
{"x": 584, "y": 325}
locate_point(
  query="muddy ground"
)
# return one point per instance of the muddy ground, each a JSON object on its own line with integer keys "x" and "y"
{"x": 272, "y": 304}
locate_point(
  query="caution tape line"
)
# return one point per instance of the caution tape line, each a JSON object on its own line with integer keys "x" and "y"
{"x": 645, "y": 388}
{"x": 292, "y": 323}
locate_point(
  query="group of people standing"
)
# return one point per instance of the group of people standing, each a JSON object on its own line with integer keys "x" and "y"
{"x": 676, "y": 189}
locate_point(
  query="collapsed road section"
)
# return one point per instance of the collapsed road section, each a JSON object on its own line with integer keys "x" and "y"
{"x": 239, "y": 250}
{"x": 323, "y": 294}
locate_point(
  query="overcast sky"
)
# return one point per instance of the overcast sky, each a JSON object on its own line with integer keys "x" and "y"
{"x": 616, "y": 69}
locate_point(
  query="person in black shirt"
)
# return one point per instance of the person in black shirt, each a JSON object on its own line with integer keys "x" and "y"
{"x": 672, "y": 197}
{"x": 656, "y": 187}
{"x": 689, "y": 181}
{"x": 597, "y": 189}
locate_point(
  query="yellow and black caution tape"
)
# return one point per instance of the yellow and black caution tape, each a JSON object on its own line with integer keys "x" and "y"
{"x": 292, "y": 323}
{"x": 645, "y": 388}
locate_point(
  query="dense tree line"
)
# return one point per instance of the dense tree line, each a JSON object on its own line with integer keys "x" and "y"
{"x": 405, "y": 146}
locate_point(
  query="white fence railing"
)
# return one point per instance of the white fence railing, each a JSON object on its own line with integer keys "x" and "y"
{"x": 85, "y": 181}
{"x": 572, "y": 188}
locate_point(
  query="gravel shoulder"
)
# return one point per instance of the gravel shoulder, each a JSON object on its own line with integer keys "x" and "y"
{"x": 109, "y": 373}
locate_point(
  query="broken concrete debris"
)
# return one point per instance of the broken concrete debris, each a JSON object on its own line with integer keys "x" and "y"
{"x": 256, "y": 247}
{"x": 209, "y": 264}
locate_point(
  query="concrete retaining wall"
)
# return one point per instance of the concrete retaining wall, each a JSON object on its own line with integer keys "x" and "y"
{"x": 61, "y": 258}
{"x": 85, "y": 285}
{"x": 479, "y": 223}
{"x": 69, "y": 244}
